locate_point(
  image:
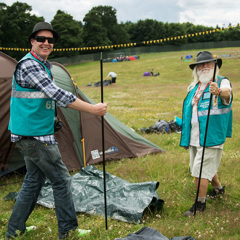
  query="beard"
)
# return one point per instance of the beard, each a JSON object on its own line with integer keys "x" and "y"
{"x": 205, "y": 75}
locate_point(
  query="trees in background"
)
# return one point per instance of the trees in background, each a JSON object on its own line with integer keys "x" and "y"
{"x": 69, "y": 30}
{"x": 16, "y": 23}
{"x": 99, "y": 28}
{"x": 94, "y": 32}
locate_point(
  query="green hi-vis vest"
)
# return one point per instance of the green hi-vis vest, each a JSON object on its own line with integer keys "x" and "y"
{"x": 220, "y": 118}
{"x": 31, "y": 111}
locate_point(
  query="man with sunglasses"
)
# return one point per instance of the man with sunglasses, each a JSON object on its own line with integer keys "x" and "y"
{"x": 32, "y": 113}
{"x": 194, "y": 124}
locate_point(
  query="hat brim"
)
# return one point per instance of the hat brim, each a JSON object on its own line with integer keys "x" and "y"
{"x": 219, "y": 62}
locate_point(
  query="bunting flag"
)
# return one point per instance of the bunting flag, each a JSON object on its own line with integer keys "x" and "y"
{"x": 126, "y": 45}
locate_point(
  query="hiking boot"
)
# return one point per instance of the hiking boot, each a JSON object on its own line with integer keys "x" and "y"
{"x": 216, "y": 192}
{"x": 200, "y": 208}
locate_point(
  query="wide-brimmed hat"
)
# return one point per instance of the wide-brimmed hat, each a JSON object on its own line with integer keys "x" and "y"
{"x": 205, "y": 56}
{"x": 42, "y": 26}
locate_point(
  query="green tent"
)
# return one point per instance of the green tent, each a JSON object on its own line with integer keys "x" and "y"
{"x": 80, "y": 139}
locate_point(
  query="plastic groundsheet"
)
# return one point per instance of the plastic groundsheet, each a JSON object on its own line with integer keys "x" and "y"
{"x": 125, "y": 201}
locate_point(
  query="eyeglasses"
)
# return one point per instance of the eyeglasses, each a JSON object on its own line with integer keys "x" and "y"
{"x": 43, "y": 39}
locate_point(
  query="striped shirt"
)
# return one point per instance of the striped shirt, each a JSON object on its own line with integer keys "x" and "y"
{"x": 31, "y": 74}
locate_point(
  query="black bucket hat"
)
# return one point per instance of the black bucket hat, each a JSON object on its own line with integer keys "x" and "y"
{"x": 42, "y": 26}
{"x": 205, "y": 56}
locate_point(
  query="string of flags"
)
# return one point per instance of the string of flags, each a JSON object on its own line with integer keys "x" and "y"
{"x": 114, "y": 46}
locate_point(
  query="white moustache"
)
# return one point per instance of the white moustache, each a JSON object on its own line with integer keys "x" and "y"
{"x": 205, "y": 69}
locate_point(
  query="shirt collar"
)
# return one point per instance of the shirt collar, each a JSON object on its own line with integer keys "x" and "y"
{"x": 46, "y": 63}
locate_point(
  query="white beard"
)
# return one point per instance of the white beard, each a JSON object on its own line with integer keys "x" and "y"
{"x": 205, "y": 75}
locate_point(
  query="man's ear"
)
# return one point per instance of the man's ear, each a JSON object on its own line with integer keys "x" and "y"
{"x": 32, "y": 40}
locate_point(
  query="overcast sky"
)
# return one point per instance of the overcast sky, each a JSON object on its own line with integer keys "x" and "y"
{"x": 203, "y": 12}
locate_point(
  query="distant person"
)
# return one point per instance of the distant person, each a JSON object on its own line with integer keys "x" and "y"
{"x": 113, "y": 75}
{"x": 32, "y": 112}
{"x": 154, "y": 74}
{"x": 194, "y": 120}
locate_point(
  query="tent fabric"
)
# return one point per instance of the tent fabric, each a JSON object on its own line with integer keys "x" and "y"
{"x": 69, "y": 153}
{"x": 132, "y": 58}
{"x": 146, "y": 74}
{"x": 119, "y": 143}
{"x": 183, "y": 238}
{"x": 125, "y": 201}
{"x": 145, "y": 233}
{"x": 7, "y": 67}
{"x": 70, "y": 137}
{"x": 189, "y": 56}
{"x": 80, "y": 139}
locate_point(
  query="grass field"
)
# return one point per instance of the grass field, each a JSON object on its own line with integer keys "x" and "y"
{"x": 138, "y": 102}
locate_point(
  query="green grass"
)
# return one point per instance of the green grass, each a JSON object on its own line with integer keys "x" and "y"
{"x": 138, "y": 102}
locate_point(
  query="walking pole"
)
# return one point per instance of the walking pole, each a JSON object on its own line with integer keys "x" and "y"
{"x": 204, "y": 144}
{"x": 103, "y": 147}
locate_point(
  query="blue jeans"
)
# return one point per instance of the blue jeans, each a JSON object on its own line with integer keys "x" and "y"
{"x": 43, "y": 161}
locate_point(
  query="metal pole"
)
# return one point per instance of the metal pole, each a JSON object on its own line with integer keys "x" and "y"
{"x": 204, "y": 143}
{"x": 103, "y": 147}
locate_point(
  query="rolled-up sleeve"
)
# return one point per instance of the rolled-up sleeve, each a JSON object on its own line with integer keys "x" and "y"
{"x": 225, "y": 83}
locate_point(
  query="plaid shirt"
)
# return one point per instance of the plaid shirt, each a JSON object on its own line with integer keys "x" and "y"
{"x": 31, "y": 74}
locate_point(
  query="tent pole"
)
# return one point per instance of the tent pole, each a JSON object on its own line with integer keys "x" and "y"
{"x": 84, "y": 156}
{"x": 103, "y": 147}
{"x": 204, "y": 144}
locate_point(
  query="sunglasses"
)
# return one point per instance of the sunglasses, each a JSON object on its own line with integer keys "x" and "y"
{"x": 43, "y": 39}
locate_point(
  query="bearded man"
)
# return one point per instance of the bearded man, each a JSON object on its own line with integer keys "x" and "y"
{"x": 194, "y": 123}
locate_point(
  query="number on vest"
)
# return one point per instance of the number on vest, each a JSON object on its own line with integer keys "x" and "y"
{"x": 50, "y": 104}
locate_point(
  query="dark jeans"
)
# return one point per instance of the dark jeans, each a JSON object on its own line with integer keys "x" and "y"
{"x": 43, "y": 161}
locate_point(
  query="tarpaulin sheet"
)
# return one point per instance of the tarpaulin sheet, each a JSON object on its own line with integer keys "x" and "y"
{"x": 125, "y": 201}
{"x": 147, "y": 233}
